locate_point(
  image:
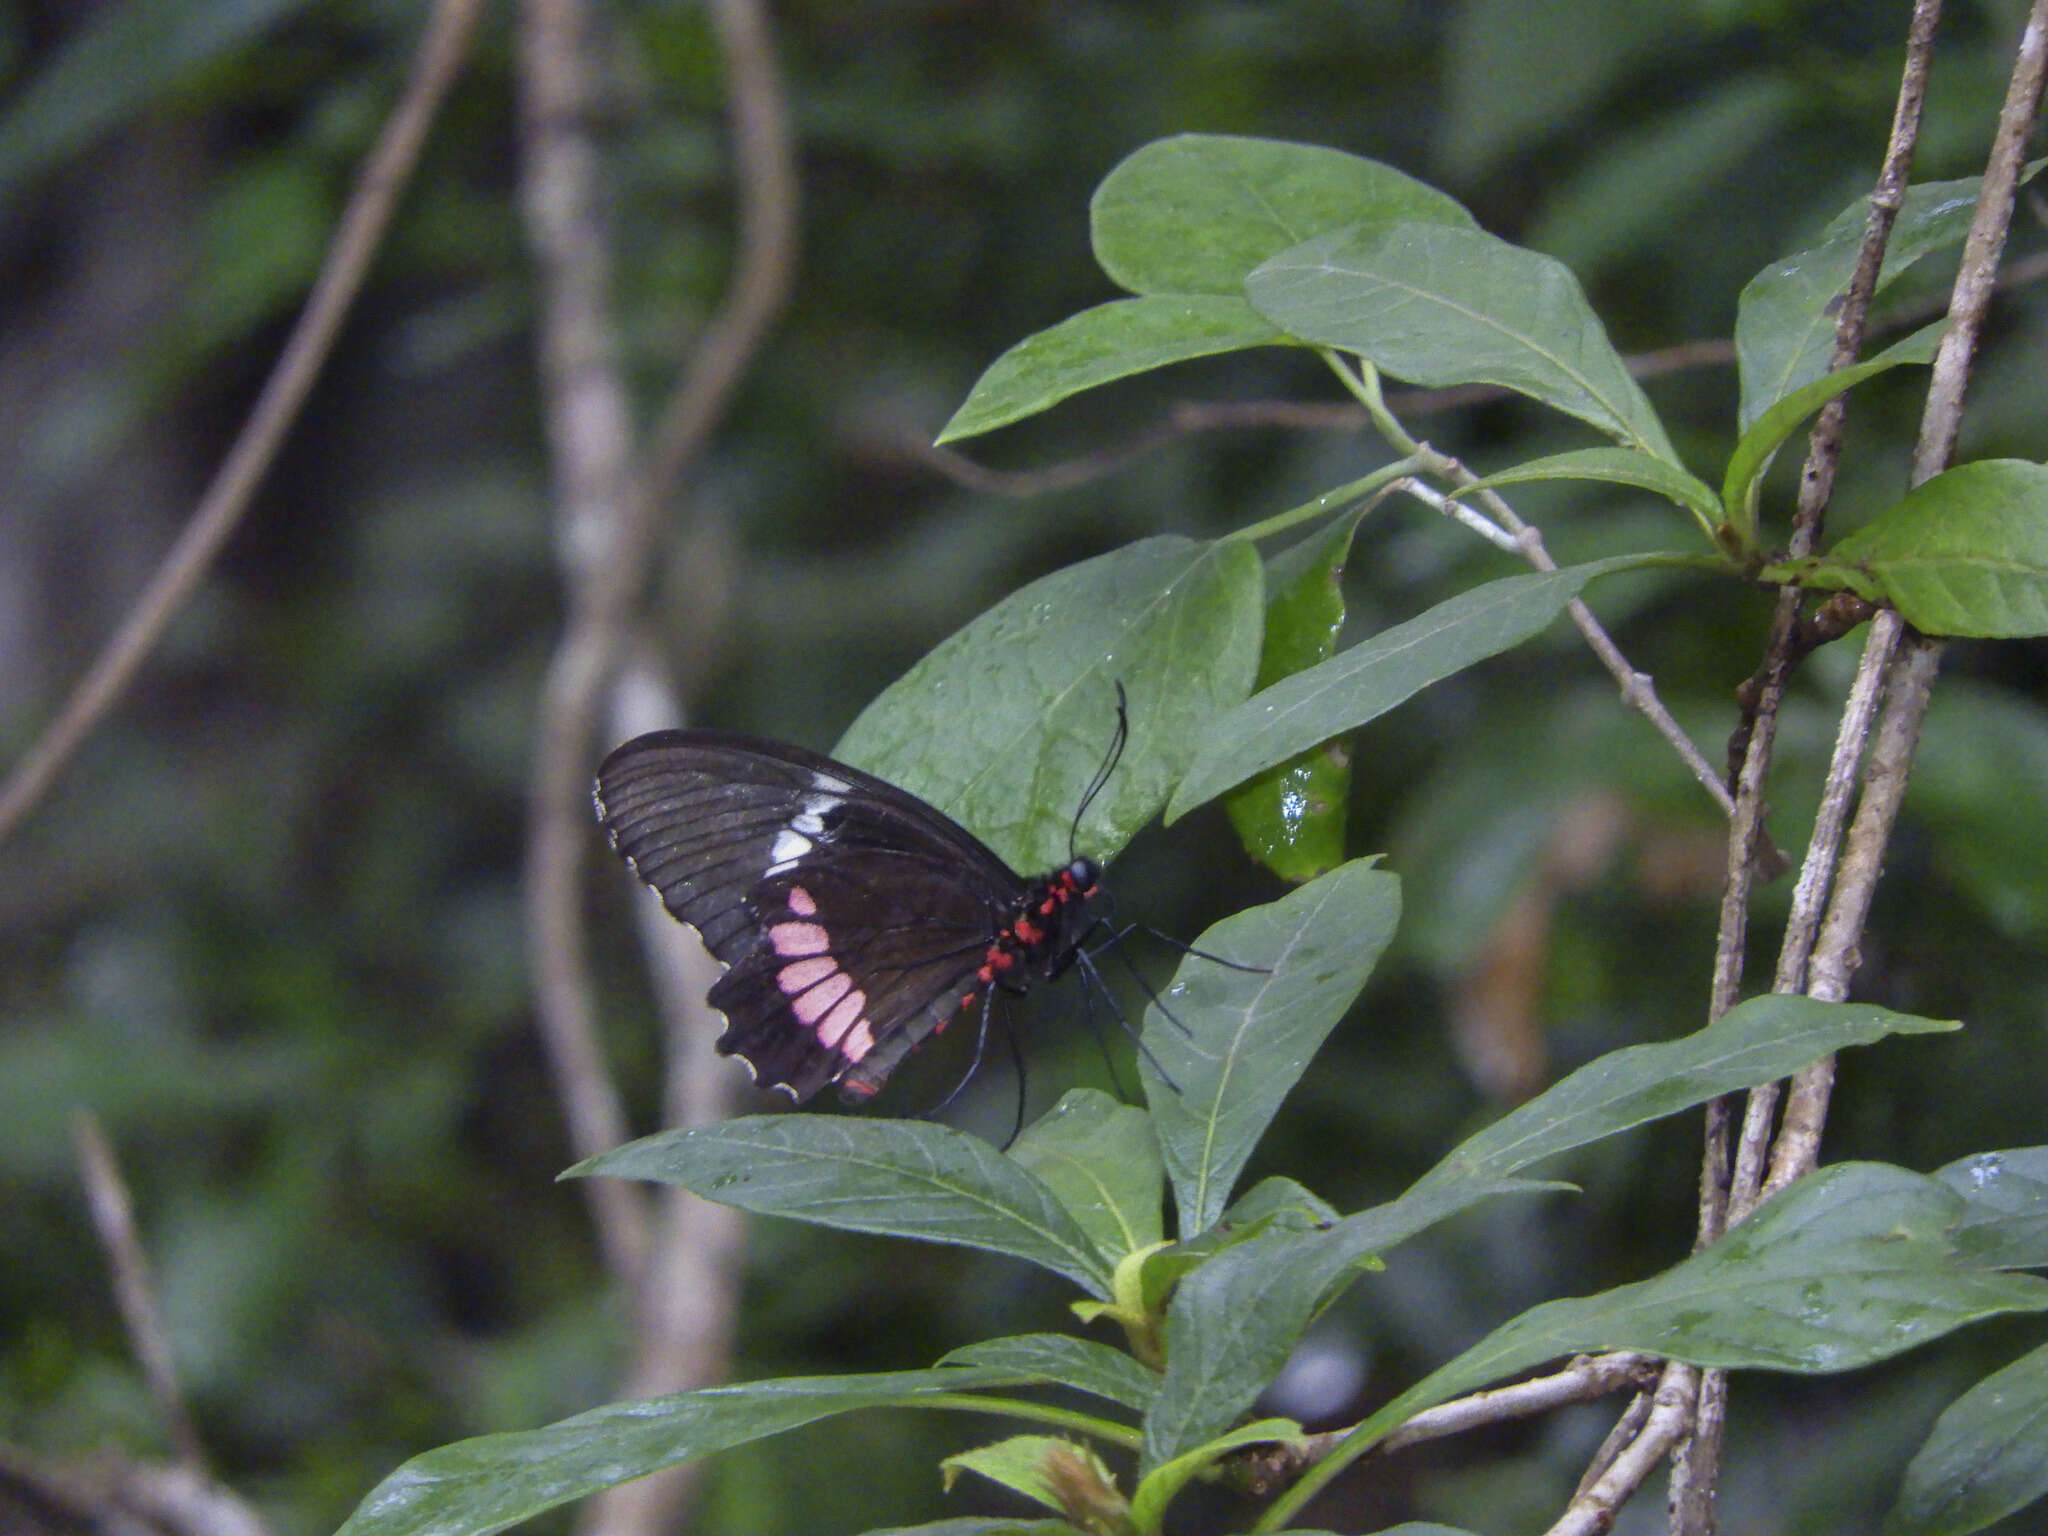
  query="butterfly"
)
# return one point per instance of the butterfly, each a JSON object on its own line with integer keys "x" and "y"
{"x": 854, "y": 919}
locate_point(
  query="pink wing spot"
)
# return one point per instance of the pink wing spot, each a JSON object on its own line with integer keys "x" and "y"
{"x": 837, "y": 1027}
{"x": 793, "y": 939}
{"x": 802, "y": 975}
{"x": 858, "y": 1042}
{"x": 800, "y": 902}
{"x": 817, "y": 1003}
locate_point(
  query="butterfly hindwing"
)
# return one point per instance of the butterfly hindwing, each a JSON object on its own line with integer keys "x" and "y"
{"x": 853, "y": 917}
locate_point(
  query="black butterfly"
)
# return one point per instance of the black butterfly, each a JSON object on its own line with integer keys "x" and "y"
{"x": 855, "y": 919}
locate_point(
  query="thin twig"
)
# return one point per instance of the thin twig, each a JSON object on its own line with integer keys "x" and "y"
{"x": 1726, "y": 1193}
{"x": 1592, "y": 1510}
{"x": 1624, "y": 1434}
{"x": 1638, "y": 689}
{"x": 589, "y": 420}
{"x": 1976, "y": 278}
{"x": 613, "y": 515}
{"x": 1910, "y": 678}
{"x": 113, "y": 1218}
{"x": 1583, "y": 1379}
{"x": 1836, "y": 954}
{"x": 689, "y": 1294}
{"x": 765, "y": 172}
{"x": 357, "y": 237}
{"x": 1816, "y": 881}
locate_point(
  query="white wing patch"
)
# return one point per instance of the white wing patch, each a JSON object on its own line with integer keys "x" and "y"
{"x": 795, "y": 841}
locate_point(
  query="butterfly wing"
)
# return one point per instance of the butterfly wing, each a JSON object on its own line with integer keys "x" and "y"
{"x": 851, "y": 915}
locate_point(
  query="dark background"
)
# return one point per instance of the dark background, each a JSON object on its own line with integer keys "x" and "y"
{"x": 268, "y": 926}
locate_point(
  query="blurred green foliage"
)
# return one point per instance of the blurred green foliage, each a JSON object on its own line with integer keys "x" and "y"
{"x": 268, "y": 928}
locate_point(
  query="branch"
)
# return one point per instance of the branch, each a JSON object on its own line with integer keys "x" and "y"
{"x": 1976, "y": 279}
{"x": 1910, "y": 688}
{"x": 1638, "y": 689}
{"x": 590, "y": 430}
{"x": 1593, "y": 1508}
{"x": 682, "y": 1271}
{"x": 1726, "y": 1194}
{"x": 1585, "y": 1378}
{"x": 361, "y": 231}
{"x": 113, "y": 1218}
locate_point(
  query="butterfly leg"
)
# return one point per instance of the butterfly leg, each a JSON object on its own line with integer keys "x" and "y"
{"x": 1092, "y": 974}
{"x": 1016, "y": 1060}
{"x": 988, "y": 1000}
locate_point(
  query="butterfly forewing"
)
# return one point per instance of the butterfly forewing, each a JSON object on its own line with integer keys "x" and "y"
{"x": 853, "y": 917}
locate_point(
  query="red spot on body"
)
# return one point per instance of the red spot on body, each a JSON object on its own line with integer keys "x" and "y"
{"x": 1029, "y": 932}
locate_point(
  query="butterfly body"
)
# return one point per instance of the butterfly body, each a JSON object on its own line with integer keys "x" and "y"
{"x": 854, "y": 919}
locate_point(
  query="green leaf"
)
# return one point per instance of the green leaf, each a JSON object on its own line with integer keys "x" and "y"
{"x": 1760, "y": 443}
{"x": 1757, "y": 1041}
{"x": 1274, "y": 1204}
{"x": 1163, "y": 1484}
{"x": 1196, "y": 213}
{"x": 1291, "y": 817}
{"x": 1616, "y": 466}
{"x": 1785, "y": 319}
{"x": 1366, "y": 681}
{"x": 1849, "y": 1266}
{"x": 1966, "y": 553}
{"x": 1441, "y": 305}
{"x": 1233, "y": 1322}
{"x": 1100, "y": 345}
{"x": 1062, "y": 1360}
{"x": 1100, "y": 1159}
{"x": 2006, "y": 1223}
{"x": 1043, "y": 1468}
{"x": 1278, "y": 1202}
{"x": 905, "y": 1178}
{"x": 1986, "y": 1458}
{"x": 1245, "y": 1037}
{"x": 477, "y": 1486}
{"x": 1003, "y": 725}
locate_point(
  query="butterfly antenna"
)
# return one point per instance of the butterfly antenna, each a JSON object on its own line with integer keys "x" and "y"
{"x": 1101, "y": 780}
